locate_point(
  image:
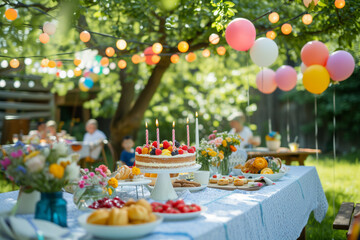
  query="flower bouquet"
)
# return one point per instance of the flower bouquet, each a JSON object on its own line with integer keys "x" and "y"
{"x": 93, "y": 186}
{"x": 44, "y": 169}
{"x": 215, "y": 151}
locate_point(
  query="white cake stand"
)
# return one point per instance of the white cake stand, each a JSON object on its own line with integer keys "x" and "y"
{"x": 163, "y": 189}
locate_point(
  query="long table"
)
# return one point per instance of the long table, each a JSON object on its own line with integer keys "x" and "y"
{"x": 278, "y": 211}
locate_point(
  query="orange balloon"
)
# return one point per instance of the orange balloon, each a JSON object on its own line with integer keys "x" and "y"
{"x": 206, "y": 53}
{"x": 44, "y": 38}
{"x": 174, "y": 58}
{"x": 122, "y": 64}
{"x": 59, "y": 64}
{"x": 104, "y": 61}
{"x": 77, "y": 61}
{"x": 190, "y": 57}
{"x": 11, "y": 14}
{"x": 14, "y": 63}
{"x": 339, "y": 3}
{"x": 121, "y": 44}
{"x": 155, "y": 58}
{"x": 44, "y": 62}
{"x": 274, "y": 17}
{"x": 316, "y": 79}
{"x": 183, "y": 46}
{"x": 221, "y": 50}
{"x": 271, "y": 35}
{"x": 214, "y": 38}
{"x": 286, "y": 28}
{"x": 136, "y": 59}
{"x": 110, "y": 51}
{"x": 77, "y": 72}
{"x": 85, "y": 36}
{"x": 157, "y": 48}
{"x": 307, "y": 19}
{"x": 51, "y": 64}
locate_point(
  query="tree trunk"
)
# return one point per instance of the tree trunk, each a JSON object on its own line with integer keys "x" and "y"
{"x": 128, "y": 116}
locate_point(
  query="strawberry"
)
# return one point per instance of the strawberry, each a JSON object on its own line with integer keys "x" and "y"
{"x": 166, "y": 144}
{"x": 214, "y": 176}
{"x": 184, "y": 147}
{"x": 241, "y": 177}
{"x": 193, "y": 147}
{"x": 191, "y": 150}
{"x": 158, "y": 151}
{"x": 154, "y": 144}
{"x": 230, "y": 175}
{"x": 139, "y": 150}
{"x": 181, "y": 151}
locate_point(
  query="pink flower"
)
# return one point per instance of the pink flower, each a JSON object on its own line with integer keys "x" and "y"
{"x": 20, "y": 153}
{"x": 98, "y": 170}
{"x": 218, "y": 141}
{"x": 103, "y": 168}
{"x": 5, "y": 163}
{"x": 86, "y": 170}
{"x": 11, "y": 178}
{"x": 81, "y": 185}
{"x": 14, "y": 154}
{"x": 212, "y": 136}
{"x": 85, "y": 177}
{"x": 215, "y": 131}
{"x": 91, "y": 174}
{"x": 103, "y": 174}
{"x": 81, "y": 182}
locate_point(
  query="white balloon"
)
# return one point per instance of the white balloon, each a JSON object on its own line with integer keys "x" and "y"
{"x": 264, "y": 52}
{"x": 49, "y": 28}
{"x": 303, "y": 67}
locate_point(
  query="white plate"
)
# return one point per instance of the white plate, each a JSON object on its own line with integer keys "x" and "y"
{"x": 191, "y": 189}
{"x": 272, "y": 177}
{"x": 119, "y": 232}
{"x": 133, "y": 183}
{"x": 182, "y": 216}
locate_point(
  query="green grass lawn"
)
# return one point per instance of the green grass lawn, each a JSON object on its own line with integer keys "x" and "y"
{"x": 346, "y": 188}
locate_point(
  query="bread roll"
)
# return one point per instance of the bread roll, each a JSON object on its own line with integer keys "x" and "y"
{"x": 118, "y": 217}
{"x": 99, "y": 217}
{"x": 138, "y": 213}
{"x": 223, "y": 182}
{"x": 130, "y": 202}
{"x": 239, "y": 182}
{"x": 145, "y": 204}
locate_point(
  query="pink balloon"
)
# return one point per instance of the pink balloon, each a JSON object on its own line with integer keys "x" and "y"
{"x": 314, "y": 52}
{"x": 286, "y": 78}
{"x": 148, "y": 54}
{"x": 240, "y": 34}
{"x": 265, "y": 81}
{"x": 340, "y": 65}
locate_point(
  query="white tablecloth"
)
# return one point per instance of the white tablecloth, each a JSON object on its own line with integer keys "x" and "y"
{"x": 274, "y": 212}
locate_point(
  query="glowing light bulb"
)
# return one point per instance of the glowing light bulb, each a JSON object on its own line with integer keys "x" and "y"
{"x": 274, "y": 17}
{"x": 286, "y": 28}
{"x": 183, "y": 46}
{"x": 174, "y": 58}
{"x": 122, "y": 64}
{"x": 44, "y": 38}
{"x": 214, "y": 38}
{"x": 157, "y": 48}
{"x": 121, "y": 44}
{"x": 11, "y": 14}
{"x": 85, "y": 36}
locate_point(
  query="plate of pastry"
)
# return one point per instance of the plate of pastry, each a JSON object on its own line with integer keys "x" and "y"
{"x": 182, "y": 184}
{"x": 135, "y": 219}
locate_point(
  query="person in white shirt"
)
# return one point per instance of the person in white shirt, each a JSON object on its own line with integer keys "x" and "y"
{"x": 237, "y": 121}
{"x": 93, "y": 134}
{"x": 94, "y": 138}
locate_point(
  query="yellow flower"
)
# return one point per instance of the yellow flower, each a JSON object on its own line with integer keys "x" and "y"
{"x": 136, "y": 171}
{"x": 203, "y": 152}
{"x": 228, "y": 139}
{"x": 221, "y": 156}
{"x": 56, "y": 170}
{"x": 222, "y": 152}
{"x": 31, "y": 155}
{"x": 212, "y": 154}
{"x": 64, "y": 164}
{"x": 209, "y": 149}
{"x": 109, "y": 191}
{"x": 113, "y": 182}
{"x": 224, "y": 143}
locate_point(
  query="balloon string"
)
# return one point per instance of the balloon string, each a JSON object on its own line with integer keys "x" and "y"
{"x": 334, "y": 151}
{"x": 316, "y": 132}
{"x": 288, "y": 116}
{"x": 247, "y": 79}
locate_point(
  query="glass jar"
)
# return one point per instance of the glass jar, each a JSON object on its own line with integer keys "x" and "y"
{"x": 84, "y": 197}
{"x": 52, "y": 207}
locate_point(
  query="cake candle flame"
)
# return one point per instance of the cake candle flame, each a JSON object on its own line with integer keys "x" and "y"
{"x": 196, "y": 114}
{"x": 157, "y": 123}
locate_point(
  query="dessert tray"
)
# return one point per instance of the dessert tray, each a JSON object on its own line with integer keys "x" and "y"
{"x": 163, "y": 189}
{"x": 118, "y": 232}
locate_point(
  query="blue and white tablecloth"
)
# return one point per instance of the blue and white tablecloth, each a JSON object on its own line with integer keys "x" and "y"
{"x": 274, "y": 212}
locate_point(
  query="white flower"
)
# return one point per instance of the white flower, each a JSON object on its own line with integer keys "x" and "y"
{"x": 73, "y": 171}
{"x": 66, "y": 160}
{"x": 36, "y": 163}
{"x": 75, "y": 157}
{"x": 61, "y": 148}
{"x": 46, "y": 152}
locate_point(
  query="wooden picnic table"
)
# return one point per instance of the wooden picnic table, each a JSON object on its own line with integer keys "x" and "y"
{"x": 285, "y": 154}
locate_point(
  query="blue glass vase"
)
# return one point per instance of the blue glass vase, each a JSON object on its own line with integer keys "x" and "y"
{"x": 52, "y": 207}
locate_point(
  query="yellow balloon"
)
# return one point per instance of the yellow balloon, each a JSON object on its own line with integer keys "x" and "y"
{"x": 316, "y": 79}
{"x": 82, "y": 87}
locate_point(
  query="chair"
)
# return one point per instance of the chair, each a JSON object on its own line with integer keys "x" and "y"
{"x": 103, "y": 158}
{"x": 344, "y": 219}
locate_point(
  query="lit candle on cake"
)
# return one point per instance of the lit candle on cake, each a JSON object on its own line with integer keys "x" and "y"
{"x": 147, "y": 134}
{"x": 157, "y": 134}
{"x": 188, "y": 132}
{"x": 173, "y": 134}
{"x": 197, "y": 131}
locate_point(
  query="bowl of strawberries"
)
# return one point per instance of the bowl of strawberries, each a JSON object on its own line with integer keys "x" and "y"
{"x": 177, "y": 210}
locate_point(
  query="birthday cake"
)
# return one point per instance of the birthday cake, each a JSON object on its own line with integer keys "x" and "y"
{"x": 166, "y": 155}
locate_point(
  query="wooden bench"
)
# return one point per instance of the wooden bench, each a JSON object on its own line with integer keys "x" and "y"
{"x": 344, "y": 220}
